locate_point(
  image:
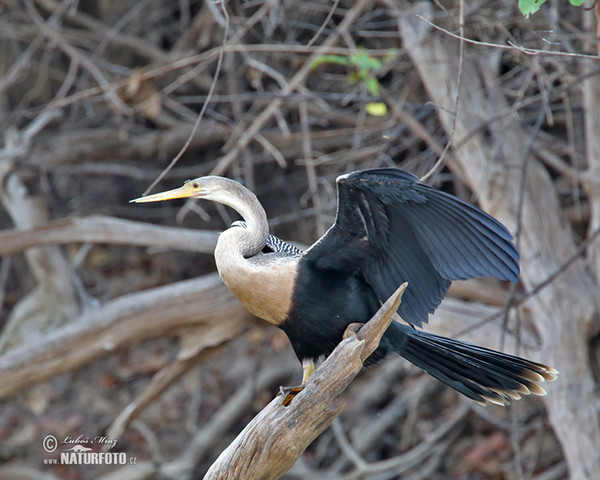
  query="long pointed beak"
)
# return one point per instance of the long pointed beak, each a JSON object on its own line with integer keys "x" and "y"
{"x": 186, "y": 191}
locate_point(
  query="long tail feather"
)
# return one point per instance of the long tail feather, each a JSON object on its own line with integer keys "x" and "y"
{"x": 484, "y": 375}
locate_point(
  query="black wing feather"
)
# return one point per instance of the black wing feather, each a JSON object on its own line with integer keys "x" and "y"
{"x": 391, "y": 228}
{"x": 426, "y": 286}
{"x": 274, "y": 244}
{"x": 277, "y": 245}
{"x": 477, "y": 244}
{"x": 470, "y": 250}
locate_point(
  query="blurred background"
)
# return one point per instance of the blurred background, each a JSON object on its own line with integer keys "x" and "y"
{"x": 115, "y": 329}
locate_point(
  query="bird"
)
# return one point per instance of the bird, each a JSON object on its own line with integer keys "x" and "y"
{"x": 389, "y": 228}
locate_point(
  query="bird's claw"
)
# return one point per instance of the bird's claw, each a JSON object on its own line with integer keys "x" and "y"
{"x": 288, "y": 393}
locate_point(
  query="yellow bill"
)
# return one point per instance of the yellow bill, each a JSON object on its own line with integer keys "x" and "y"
{"x": 190, "y": 188}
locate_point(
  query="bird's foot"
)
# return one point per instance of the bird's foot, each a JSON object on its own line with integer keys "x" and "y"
{"x": 352, "y": 329}
{"x": 288, "y": 393}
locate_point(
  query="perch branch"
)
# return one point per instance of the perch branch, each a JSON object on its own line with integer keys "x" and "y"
{"x": 277, "y": 436}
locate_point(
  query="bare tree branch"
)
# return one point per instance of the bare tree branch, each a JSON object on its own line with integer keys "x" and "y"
{"x": 124, "y": 321}
{"x": 103, "y": 229}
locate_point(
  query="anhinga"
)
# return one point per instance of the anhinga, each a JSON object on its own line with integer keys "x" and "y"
{"x": 389, "y": 228}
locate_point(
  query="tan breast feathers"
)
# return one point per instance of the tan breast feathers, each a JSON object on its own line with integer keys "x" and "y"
{"x": 264, "y": 287}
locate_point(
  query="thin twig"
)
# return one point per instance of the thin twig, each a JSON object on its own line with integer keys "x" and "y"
{"x": 461, "y": 60}
{"x": 511, "y": 45}
{"x": 324, "y": 24}
{"x": 73, "y": 53}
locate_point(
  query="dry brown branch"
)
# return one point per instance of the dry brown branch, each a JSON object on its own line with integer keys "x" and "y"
{"x": 203, "y": 442}
{"x": 77, "y": 57}
{"x": 197, "y": 343}
{"x": 274, "y": 439}
{"x": 102, "y": 143}
{"x": 130, "y": 42}
{"x": 309, "y": 165}
{"x": 511, "y": 45}
{"x": 125, "y": 321}
{"x": 103, "y": 229}
{"x": 184, "y": 78}
{"x": 431, "y": 447}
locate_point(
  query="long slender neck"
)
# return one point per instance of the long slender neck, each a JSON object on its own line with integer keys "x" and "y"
{"x": 265, "y": 288}
{"x": 245, "y": 241}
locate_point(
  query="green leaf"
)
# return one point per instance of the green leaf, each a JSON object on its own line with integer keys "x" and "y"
{"x": 365, "y": 62}
{"x": 377, "y": 109}
{"x": 372, "y": 86}
{"x": 577, "y": 3}
{"x": 529, "y": 7}
{"x": 336, "y": 59}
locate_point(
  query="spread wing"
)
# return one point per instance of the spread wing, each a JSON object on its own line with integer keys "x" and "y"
{"x": 391, "y": 228}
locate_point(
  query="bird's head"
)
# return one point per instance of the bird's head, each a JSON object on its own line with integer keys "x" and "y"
{"x": 230, "y": 193}
{"x": 217, "y": 189}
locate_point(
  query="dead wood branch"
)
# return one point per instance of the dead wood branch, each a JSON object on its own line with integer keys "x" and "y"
{"x": 591, "y": 104}
{"x": 432, "y": 446}
{"x": 103, "y": 143}
{"x": 126, "y": 320}
{"x": 203, "y": 442}
{"x": 104, "y": 229}
{"x": 197, "y": 343}
{"x": 277, "y": 436}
